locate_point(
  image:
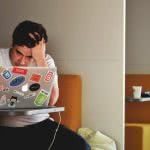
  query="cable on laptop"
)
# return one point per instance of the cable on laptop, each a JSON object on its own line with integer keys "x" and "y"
{"x": 55, "y": 132}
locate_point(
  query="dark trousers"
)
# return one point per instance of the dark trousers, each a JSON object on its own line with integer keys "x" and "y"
{"x": 39, "y": 137}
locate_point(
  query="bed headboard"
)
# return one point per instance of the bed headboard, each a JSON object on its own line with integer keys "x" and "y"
{"x": 70, "y": 98}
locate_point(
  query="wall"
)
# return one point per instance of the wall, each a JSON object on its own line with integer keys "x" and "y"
{"x": 86, "y": 38}
{"x": 138, "y": 37}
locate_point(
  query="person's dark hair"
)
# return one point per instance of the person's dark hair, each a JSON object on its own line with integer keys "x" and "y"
{"x": 21, "y": 35}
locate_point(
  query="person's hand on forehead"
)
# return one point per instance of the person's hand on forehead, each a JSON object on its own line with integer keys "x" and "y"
{"x": 38, "y": 51}
{"x": 36, "y": 37}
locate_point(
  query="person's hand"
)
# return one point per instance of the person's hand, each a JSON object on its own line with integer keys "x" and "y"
{"x": 38, "y": 52}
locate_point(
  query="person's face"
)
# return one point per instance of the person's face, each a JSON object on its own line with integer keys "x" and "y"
{"x": 21, "y": 56}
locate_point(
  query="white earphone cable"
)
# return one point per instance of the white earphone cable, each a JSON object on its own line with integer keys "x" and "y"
{"x": 55, "y": 132}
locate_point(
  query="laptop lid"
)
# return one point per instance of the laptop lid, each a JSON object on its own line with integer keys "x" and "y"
{"x": 25, "y": 87}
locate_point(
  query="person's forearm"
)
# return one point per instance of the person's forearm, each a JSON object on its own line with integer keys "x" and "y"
{"x": 42, "y": 63}
{"x": 54, "y": 96}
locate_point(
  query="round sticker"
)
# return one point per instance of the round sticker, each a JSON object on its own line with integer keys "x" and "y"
{"x": 34, "y": 87}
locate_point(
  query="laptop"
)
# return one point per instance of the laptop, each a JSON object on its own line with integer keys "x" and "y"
{"x": 25, "y": 87}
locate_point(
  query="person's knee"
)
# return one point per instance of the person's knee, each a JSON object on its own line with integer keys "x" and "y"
{"x": 86, "y": 146}
{"x": 83, "y": 145}
{"x": 70, "y": 138}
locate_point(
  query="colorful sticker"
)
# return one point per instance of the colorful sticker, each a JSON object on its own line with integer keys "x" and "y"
{"x": 34, "y": 87}
{"x": 29, "y": 95}
{"x": 19, "y": 70}
{"x": 18, "y": 93}
{"x": 17, "y": 81}
{"x": 3, "y": 100}
{"x": 48, "y": 76}
{"x": 6, "y": 74}
{"x": 35, "y": 77}
{"x": 41, "y": 98}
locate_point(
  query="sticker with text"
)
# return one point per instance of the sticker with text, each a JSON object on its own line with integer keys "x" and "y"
{"x": 48, "y": 76}
{"x": 18, "y": 93}
{"x": 30, "y": 95}
{"x": 19, "y": 70}
{"x": 41, "y": 98}
{"x": 35, "y": 77}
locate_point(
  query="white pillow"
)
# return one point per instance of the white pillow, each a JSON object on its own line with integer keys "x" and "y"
{"x": 97, "y": 140}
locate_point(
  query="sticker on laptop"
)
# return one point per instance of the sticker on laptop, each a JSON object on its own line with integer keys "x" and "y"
{"x": 6, "y": 74}
{"x": 17, "y": 81}
{"x": 30, "y": 95}
{"x": 18, "y": 93}
{"x": 35, "y": 77}
{"x": 41, "y": 98}
{"x": 19, "y": 70}
{"x": 12, "y": 102}
{"x": 3, "y": 100}
{"x": 48, "y": 76}
{"x": 34, "y": 87}
{"x": 25, "y": 88}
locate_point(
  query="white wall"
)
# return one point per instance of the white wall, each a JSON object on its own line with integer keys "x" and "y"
{"x": 86, "y": 38}
{"x": 138, "y": 36}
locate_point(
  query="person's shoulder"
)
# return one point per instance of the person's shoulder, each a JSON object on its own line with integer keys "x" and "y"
{"x": 50, "y": 61}
{"x": 48, "y": 57}
{"x": 4, "y": 51}
{"x": 4, "y": 56}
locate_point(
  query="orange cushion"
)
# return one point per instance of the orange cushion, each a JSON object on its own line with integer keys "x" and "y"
{"x": 70, "y": 98}
{"x": 133, "y": 138}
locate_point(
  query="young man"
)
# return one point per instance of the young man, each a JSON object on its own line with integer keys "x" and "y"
{"x": 37, "y": 131}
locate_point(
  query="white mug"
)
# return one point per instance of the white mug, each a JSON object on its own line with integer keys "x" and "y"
{"x": 137, "y": 90}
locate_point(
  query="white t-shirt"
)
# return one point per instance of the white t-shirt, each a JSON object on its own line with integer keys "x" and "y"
{"x": 20, "y": 121}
